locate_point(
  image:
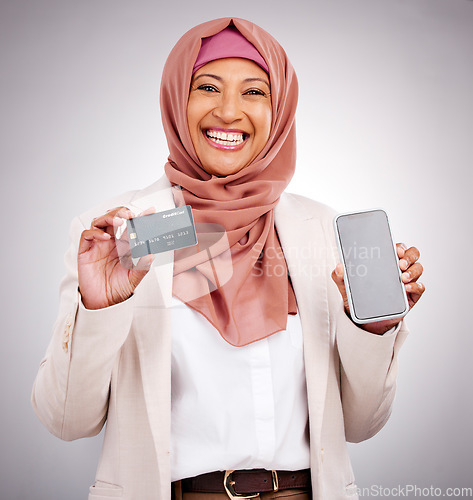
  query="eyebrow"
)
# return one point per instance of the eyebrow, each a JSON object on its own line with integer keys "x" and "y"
{"x": 220, "y": 79}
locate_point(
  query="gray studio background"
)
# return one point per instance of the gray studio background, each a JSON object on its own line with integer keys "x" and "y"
{"x": 384, "y": 119}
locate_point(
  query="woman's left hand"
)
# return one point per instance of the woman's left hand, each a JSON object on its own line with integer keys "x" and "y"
{"x": 411, "y": 272}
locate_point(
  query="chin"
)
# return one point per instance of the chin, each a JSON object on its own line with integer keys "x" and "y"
{"x": 222, "y": 171}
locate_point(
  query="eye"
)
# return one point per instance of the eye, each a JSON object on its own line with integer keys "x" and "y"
{"x": 207, "y": 88}
{"x": 255, "y": 92}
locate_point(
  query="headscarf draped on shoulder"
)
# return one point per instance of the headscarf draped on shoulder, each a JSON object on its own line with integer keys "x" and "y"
{"x": 238, "y": 280}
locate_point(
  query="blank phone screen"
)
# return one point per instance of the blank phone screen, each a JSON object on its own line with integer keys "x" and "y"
{"x": 371, "y": 265}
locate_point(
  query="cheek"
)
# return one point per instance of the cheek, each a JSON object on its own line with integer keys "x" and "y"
{"x": 191, "y": 117}
{"x": 196, "y": 110}
{"x": 264, "y": 123}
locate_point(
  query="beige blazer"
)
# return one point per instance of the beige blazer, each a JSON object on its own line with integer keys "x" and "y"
{"x": 114, "y": 364}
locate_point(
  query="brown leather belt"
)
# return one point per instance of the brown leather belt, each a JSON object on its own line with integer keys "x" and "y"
{"x": 243, "y": 483}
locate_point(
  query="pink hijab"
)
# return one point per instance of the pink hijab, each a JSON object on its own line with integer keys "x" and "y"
{"x": 254, "y": 300}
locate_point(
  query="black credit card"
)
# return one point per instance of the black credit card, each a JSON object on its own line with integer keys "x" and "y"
{"x": 161, "y": 232}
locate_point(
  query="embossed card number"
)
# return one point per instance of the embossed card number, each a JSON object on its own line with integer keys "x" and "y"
{"x": 161, "y": 232}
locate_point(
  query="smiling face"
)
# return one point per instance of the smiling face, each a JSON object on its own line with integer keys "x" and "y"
{"x": 229, "y": 114}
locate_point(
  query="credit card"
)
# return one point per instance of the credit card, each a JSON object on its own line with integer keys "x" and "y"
{"x": 161, "y": 232}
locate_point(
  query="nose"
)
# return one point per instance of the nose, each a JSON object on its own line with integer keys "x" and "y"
{"x": 228, "y": 107}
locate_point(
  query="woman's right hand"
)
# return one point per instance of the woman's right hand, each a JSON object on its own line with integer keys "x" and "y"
{"x": 103, "y": 280}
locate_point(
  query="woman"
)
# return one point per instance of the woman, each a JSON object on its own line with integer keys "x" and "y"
{"x": 228, "y": 369}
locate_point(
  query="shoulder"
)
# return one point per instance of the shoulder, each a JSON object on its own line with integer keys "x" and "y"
{"x": 297, "y": 206}
{"x": 105, "y": 206}
{"x": 305, "y": 227}
{"x": 157, "y": 194}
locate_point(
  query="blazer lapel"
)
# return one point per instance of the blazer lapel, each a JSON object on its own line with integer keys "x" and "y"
{"x": 159, "y": 195}
{"x": 304, "y": 244}
{"x": 152, "y": 328}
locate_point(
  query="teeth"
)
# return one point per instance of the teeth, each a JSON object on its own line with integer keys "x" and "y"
{"x": 224, "y": 138}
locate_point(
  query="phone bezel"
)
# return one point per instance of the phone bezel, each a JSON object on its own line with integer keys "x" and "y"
{"x": 345, "y": 274}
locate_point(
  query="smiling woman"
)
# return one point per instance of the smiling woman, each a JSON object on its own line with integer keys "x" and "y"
{"x": 232, "y": 369}
{"x": 233, "y": 88}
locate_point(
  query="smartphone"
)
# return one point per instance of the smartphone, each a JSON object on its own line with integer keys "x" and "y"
{"x": 372, "y": 276}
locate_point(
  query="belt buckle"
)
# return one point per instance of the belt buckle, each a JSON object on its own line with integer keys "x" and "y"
{"x": 228, "y": 484}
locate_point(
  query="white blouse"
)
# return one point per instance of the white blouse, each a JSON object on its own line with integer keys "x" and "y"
{"x": 236, "y": 407}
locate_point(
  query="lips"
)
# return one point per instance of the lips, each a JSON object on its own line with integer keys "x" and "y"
{"x": 227, "y": 139}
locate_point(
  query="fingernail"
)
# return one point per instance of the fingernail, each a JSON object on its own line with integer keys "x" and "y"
{"x": 408, "y": 288}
